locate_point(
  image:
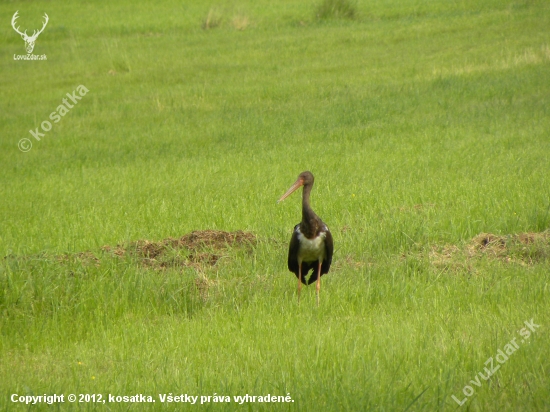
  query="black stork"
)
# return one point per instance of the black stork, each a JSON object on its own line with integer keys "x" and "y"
{"x": 311, "y": 244}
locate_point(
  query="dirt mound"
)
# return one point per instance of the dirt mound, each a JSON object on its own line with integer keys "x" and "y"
{"x": 521, "y": 248}
{"x": 199, "y": 248}
{"x": 217, "y": 239}
{"x": 525, "y": 246}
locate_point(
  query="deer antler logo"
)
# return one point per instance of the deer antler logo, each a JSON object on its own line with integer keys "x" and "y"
{"x": 29, "y": 40}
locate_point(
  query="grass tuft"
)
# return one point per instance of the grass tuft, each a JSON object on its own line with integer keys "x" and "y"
{"x": 213, "y": 19}
{"x": 336, "y": 9}
{"x": 240, "y": 22}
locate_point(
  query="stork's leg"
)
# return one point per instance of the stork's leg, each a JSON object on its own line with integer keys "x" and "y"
{"x": 318, "y": 285}
{"x": 299, "y": 280}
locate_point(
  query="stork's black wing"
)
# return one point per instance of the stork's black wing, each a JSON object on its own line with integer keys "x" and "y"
{"x": 329, "y": 247}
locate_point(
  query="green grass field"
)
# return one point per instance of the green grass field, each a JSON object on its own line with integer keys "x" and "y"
{"x": 426, "y": 125}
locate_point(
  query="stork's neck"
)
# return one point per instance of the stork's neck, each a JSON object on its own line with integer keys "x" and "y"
{"x": 311, "y": 223}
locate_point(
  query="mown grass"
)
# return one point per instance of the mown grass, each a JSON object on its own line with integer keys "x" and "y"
{"x": 425, "y": 124}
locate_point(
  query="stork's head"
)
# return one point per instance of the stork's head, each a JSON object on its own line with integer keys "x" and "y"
{"x": 304, "y": 179}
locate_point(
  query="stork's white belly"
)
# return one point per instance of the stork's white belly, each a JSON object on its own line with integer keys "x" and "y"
{"x": 311, "y": 249}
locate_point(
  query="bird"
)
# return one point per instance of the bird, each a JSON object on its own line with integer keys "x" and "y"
{"x": 311, "y": 245}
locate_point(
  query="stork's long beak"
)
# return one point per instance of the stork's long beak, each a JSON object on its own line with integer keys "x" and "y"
{"x": 293, "y": 188}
